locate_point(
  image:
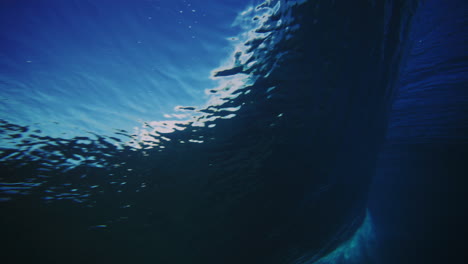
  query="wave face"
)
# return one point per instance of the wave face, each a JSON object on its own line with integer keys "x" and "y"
{"x": 269, "y": 162}
{"x": 425, "y": 151}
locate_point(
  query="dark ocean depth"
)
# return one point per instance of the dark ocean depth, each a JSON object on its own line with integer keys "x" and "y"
{"x": 233, "y": 132}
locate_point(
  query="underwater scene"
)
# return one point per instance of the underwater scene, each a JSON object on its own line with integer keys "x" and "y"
{"x": 233, "y": 131}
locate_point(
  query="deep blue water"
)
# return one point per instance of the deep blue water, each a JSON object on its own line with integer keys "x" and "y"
{"x": 204, "y": 131}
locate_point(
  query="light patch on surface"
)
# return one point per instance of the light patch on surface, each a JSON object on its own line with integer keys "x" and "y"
{"x": 232, "y": 77}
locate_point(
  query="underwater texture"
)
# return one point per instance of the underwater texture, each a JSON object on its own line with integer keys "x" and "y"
{"x": 279, "y": 132}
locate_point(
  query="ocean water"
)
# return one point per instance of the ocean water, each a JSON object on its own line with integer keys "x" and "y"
{"x": 204, "y": 131}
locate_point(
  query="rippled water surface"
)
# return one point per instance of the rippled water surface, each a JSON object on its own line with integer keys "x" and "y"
{"x": 96, "y": 66}
{"x": 228, "y": 131}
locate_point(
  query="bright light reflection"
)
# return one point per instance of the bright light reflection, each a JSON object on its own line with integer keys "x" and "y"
{"x": 229, "y": 85}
